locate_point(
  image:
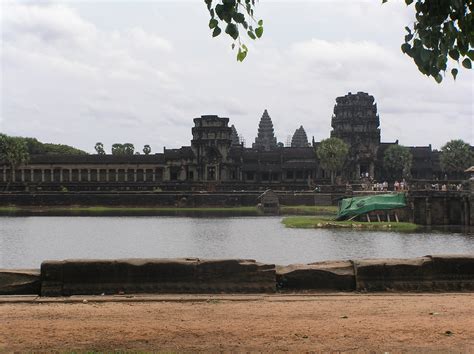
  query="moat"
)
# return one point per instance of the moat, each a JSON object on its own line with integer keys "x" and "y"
{"x": 26, "y": 241}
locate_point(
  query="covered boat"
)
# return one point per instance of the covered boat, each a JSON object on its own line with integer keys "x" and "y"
{"x": 353, "y": 207}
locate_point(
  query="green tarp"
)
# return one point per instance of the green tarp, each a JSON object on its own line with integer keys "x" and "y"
{"x": 350, "y": 207}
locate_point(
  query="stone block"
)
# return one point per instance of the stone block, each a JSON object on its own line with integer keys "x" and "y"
{"x": 415, "y": 274}
{"x": 236, "y": 275}
{"x": 453, "y": 272}
{"x": 330, "y": 275}
{"x": 187, "y": 275}
{"x": 20, "y": 282}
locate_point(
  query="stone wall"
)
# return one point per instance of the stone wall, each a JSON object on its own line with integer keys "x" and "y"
{"x": 192, "y": 275}
{"x": 183, "y": 199}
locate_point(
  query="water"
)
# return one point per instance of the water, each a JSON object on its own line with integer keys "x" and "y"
{"x": 26, "y": 241}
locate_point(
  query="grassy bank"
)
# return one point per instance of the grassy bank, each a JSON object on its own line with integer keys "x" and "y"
{"x": 309, "y": 210}
{"x": 304, "y": 222}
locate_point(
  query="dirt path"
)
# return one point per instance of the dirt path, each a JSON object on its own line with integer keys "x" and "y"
{"x": 268, "y": 323}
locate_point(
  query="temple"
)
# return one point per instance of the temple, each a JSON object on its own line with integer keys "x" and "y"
{"x": 217, "y": 160}
{"x": 299, "y": 138}
{"x": 266, "y": 139}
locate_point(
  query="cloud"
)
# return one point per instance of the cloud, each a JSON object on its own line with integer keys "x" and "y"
{"x": 79, "y": 73}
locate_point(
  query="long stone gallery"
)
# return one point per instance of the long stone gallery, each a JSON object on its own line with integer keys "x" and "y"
{"x": 218, "y": 160}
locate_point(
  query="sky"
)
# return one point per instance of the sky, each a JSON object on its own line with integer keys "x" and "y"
{"x": 77, "y": 72}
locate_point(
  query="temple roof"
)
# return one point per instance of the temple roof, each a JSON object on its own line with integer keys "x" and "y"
{"x": 97, "y": 159}
{"x": 266, "y": 138}
{"x": 300, "y": 139}
{"x": 234, "y": 136}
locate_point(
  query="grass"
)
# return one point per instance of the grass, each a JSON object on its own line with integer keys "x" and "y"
{"x": 304, "y": 222}
{"x": 309, "y": 210}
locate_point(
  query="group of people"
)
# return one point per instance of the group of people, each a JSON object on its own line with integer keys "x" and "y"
{"x": 384, "y": 186}
{"x": 445, "y": 187}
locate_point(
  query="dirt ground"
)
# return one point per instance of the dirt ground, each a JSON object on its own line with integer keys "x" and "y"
{"x": 349, "y": 322}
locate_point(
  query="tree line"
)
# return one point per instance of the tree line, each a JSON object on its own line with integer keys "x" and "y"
{"x": 121, "y": 149}
{"x": 456, "y": 156}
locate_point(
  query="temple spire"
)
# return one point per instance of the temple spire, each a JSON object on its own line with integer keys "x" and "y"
{"x": 266, "y": 138}
{"x": 300, "y": 139}
{"x": 234, "y": 137}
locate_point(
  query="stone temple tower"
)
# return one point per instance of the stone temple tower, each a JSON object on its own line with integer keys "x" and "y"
{"x": 300, "y": 139}
{"x": 356, "y": 122}
{"x": 266, "y": 138}
{"x": 234, "y": 136}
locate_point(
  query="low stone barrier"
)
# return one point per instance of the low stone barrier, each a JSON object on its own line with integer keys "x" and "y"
{"x": 187, "y": 275}
{"x": 453, "y": 272}
{"x": 20, "y": 281}
{"x": 330, "y": 275}
{"x": 414, "y": 274}
{"x": 193, "y": 275}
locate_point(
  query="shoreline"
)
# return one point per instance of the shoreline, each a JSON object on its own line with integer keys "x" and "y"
{"x": 307, "y": 222}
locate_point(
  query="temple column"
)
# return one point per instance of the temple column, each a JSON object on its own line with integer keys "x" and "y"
{"x": 116, "y": 175}
{"x": 428, "y": 211}
{"x": 134, "y": 175}
{"x": 42, "y": 175}
{"x": 98, "y": 174}
{"x": 144, "y": 174}
{"x": 4, "y": 174}
{"x": 445, "y": 212}
{"x": 79, "y": 175}
{"x": 107, "y": 175}
{"x": 23, "y": 175}
{"x": 154, "y": 175}
{"x": 126, "y": 175}
{"x": 13, "y": 174}
{"x": 32, "y": 175}
{"x": 60, "y": 175}
{"x": 88, "y": 175}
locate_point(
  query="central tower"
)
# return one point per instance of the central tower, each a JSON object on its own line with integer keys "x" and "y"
{"x": 266, "y": 138}
{"x": 356, "y": 122}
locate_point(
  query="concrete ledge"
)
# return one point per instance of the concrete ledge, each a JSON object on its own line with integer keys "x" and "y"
{"x": 330, "y": 275}
{"x": 187, "y": 275}
{"x": 20, "y": 281}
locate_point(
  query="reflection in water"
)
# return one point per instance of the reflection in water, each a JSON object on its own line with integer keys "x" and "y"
{"x": 27, "y": 241}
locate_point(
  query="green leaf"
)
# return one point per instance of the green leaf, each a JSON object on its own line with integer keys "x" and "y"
{"x": 251, "y": 35}
{"x": 232, "y": 30}
{"x": 438, "y": 78}
{"x": 408, "y": 2}
{"x": 405, "y": 47}
{"x": 217, "y": 31}
{"x": 425, "y": 55}
{"x": 453, "y": 53}
{"x": 259, "y": 31}
{"x": 467, "y": 63}
{"x": 213, "y": 23}
{"x": 260, "y": 23}
{"x": 454, "y": 72}
{"x": 408, "y": 29}
{"x": 241, "y": 55}
{"x": 470, "y": 54}
{"x": 238, "y": 17}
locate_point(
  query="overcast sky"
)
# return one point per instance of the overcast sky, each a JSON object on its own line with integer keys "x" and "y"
{"x": 81, "y": 72}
